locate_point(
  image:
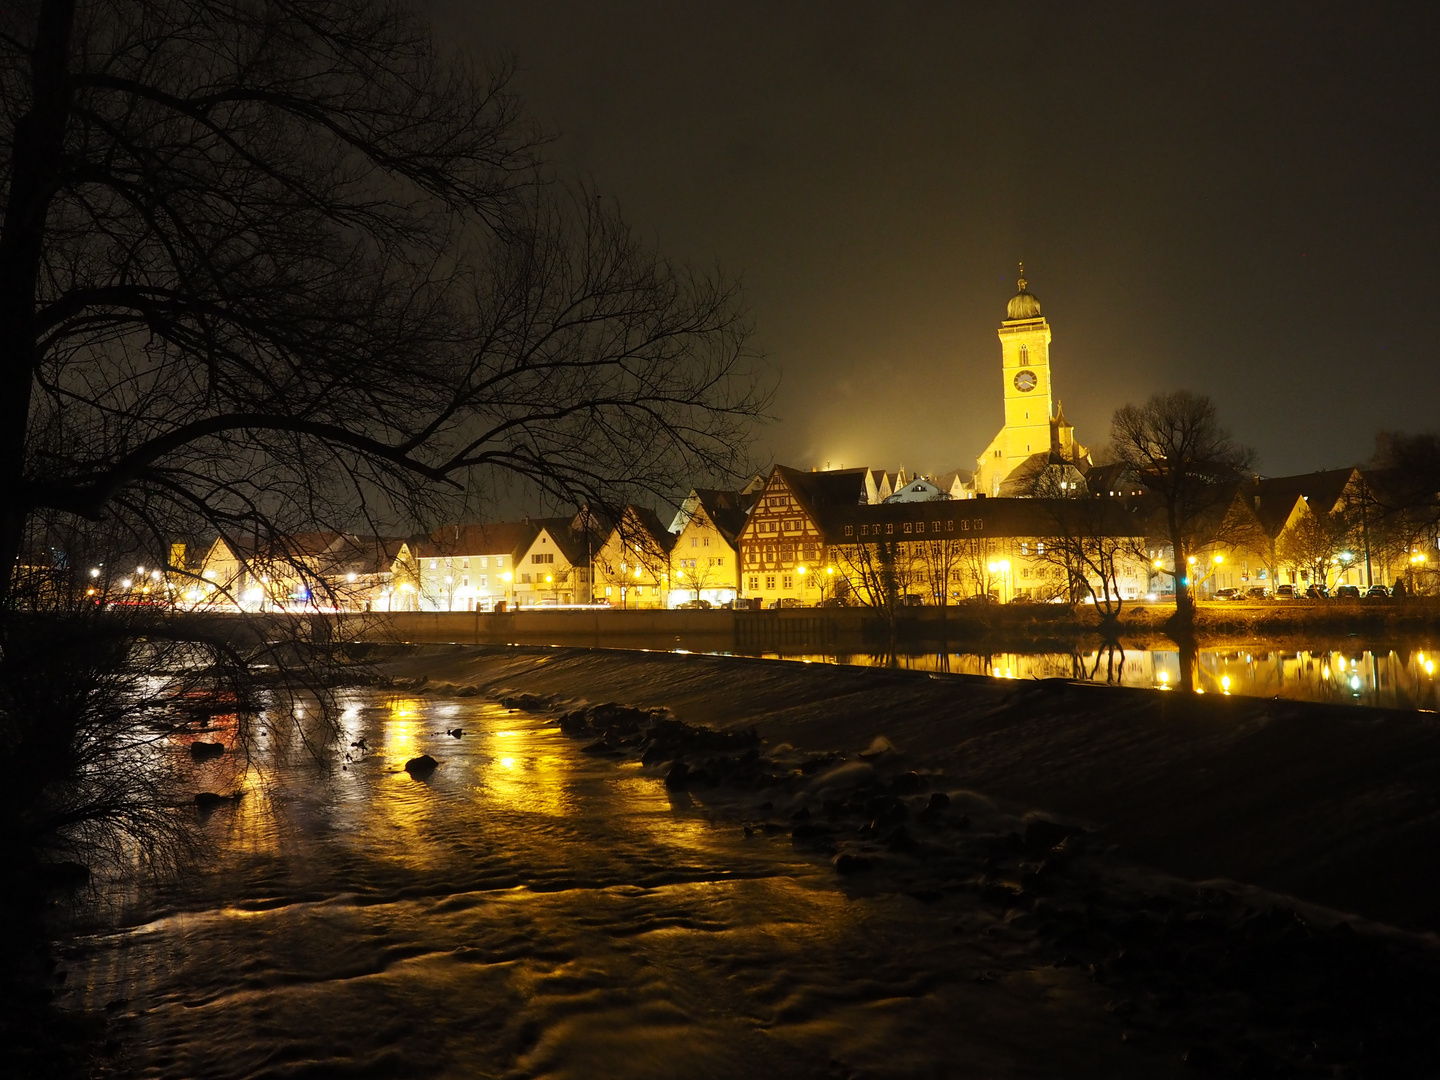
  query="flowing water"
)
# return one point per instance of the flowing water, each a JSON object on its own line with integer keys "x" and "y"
{"x": 532, "y": 911}
{"x": 1400, "y": 678}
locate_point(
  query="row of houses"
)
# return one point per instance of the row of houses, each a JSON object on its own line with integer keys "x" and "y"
{"x": 800, "y": 537}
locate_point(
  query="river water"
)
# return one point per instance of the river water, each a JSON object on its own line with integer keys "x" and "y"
{"x": 1398, "y": 678}
{"x": 532, "y": 911}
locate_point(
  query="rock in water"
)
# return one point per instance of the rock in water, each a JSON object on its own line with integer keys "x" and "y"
{"x": 847, "y": 864}
{"x": 203, "y": 751}
{"x": 423, "y": 765}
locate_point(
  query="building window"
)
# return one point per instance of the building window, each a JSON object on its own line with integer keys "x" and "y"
{"x": 525, "y": 579}
{"x": 919, "y": 526}
{"x": 482, "y": 561}
{"x": 465, "y": 580}
{"x": 543, "y": 557}
{"x": 907, "y": 526}
{"x": 889, "y": 529}
{"x": 719, "y": 560}
{"x": 707, "y": 541}
{"x": 1024, "y": 356}
{"x": 949, "y": 526}
{"x": 1024, "y": 547}
{"x": 769, "y": 581}
{"x": 434, "y": 563}
{"x": 850, "y": 530}
{"x": 789, "y": 582}
{"x": 1040, "y": 548}
{"x": 754, "y": 585}
{"x": 694, "y": 541}
{"x": 484, "y": 581}
{"x": 609, "y": 590}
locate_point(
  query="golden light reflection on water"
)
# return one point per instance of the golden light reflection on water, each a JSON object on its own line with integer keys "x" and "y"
{"x": 1394, "y": 678}
{"x": 402, "y": 730}
{"x": 527, "y": 779}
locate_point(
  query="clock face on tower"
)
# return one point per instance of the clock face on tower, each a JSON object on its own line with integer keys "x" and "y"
{"x": 1025, "y": 381}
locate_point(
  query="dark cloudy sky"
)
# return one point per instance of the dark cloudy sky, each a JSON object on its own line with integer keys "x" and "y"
{"x": 1239, "y": 199}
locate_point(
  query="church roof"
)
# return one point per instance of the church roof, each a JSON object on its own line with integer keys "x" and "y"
{"x": 1024, "y": 304}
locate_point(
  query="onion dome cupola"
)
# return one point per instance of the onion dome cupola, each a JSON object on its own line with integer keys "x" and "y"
{"x": 1024, "y": 304}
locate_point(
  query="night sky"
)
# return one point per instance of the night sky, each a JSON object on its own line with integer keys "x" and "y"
{"x": 1237, "y": 199}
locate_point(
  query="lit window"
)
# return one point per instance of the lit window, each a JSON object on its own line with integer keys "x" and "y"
{"x": 789, "y": 582}
{"x": 769, "y": 581}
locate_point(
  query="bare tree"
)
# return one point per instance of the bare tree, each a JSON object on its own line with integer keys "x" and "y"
{"x": 1175, "y": 446}
{"x": 268, "y": 266}
{"x": 1400, "y": 502}
{"x": 940, "y": 561}
{"x": 1095, "y": 543}
{"x": 878, "y": 573}
{"x": 263, "y": 263}
{"x": 1314, "y": 543}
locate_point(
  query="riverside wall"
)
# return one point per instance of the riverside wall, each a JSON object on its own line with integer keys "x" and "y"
{"x": 986, "y": 627}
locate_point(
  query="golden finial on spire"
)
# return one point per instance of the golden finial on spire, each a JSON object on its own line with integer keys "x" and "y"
{"x": 1021, "y": 281}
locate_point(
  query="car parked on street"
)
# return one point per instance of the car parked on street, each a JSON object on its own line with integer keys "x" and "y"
{"x": 1284, "y": 592}
{"x": 1377, "y": 592}
{"x": 1317, "y": 592}
{"x": 1347, "y": 592}
{"x": 1227, "y": 594}
{"x": 1257, "y": 592}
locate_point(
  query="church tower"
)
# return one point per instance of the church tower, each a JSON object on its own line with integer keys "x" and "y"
{"x": 1025, "y": 369}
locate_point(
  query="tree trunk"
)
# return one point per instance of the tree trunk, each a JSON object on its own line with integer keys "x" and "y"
{"x": 35, "y": 162}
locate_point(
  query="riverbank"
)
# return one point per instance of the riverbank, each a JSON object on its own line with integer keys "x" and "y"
{"x": 997, "y": 627}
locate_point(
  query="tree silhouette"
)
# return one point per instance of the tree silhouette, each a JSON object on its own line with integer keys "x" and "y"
{"x": 263, "y": 264}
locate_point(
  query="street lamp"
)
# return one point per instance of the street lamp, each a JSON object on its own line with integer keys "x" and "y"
{"x": 1001, "y": 567}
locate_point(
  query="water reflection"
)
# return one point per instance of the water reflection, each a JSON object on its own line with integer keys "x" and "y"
{"x": 1393, "y": 678}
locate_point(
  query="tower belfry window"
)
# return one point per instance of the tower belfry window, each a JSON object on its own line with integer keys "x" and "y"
{"x": 1024, "y": 356}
